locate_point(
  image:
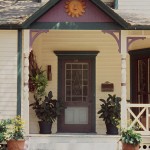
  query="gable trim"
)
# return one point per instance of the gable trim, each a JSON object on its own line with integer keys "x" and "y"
{"x": 39, "y": 13}
{"x": 52, "y": 3}
{"x": 76, "y": 26}
{"x": 111, "y": 13}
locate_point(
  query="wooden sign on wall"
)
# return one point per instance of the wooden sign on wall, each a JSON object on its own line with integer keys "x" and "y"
{"x": 107, "y": 87}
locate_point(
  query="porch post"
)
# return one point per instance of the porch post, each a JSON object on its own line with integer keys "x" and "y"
{"x": 123, "y": 80}
{"x": 26, "y": 50}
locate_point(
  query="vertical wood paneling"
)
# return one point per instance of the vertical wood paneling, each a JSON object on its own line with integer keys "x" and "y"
{"x": 8, "y": 73}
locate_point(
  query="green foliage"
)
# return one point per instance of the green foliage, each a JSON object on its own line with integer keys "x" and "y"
{"x": 3, "y": 129}
{"x": 110, "y": 110}
{"x": 14, "y": 128}
{"x": 11, "y": 129}
{"x": 39, "y": 81}
{"x": 48, "y": 109}
{"x": 129, "y": 136}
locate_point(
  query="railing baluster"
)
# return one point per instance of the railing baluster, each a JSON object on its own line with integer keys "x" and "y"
{"x": 147, "y": 119}
{"x": 145, "y": 108}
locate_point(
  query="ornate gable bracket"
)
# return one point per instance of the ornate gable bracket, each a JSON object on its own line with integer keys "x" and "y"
{"x": 35, "y": 35}
{"x": 116, "y": 35}
{"x": 130, "y": 40}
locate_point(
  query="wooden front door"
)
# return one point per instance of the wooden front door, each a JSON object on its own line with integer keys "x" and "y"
{"x": 76, "y": 87}
{"x": 140, "y": 76}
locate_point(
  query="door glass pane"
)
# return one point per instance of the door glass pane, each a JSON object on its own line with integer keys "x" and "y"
{"x": 85, "y": 74}
{"x": 68, "y": 91}
{"x": 85, "y": 90}
{"x": 85, "y": 66}
{"x": 68, "y": 82}
{"x": 68, "y": 74}
{"x": 76, "y": 115}
{"x": 76, "y": 81}
{"x": 68, "y": 98}
{"x": 76, "y": 66}
{"x": 68, "y": 66}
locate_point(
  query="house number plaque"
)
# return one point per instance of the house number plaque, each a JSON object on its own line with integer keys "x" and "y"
{"x": 107, "y": 87}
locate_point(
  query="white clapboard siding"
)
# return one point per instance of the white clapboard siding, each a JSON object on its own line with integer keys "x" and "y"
{"x": 10, "y": 71}
{"x": 8, "y": 74}
{"x": 134, "y": 4}
{"x": 7, "y": 96}
{"x": 7, "y": 77}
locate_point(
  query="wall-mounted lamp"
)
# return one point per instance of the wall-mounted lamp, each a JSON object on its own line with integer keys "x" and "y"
{"x": 49, "y": 72}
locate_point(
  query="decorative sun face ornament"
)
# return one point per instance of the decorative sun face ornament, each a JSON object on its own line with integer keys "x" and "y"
{"x": 75, "y": 8}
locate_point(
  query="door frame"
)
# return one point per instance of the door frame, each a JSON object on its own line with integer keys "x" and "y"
{"x": 134, "y": 55}
{"x": 70, "y": 55}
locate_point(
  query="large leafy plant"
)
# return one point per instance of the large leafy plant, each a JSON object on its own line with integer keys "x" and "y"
{"x": 110, "y": 110}
{"x": 129, "y": 136}
{"x": 47, "y": 109}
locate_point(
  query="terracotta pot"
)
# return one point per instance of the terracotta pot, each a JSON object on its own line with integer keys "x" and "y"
{"x": 129, "y": 147}
{"x": 16, "y": 144}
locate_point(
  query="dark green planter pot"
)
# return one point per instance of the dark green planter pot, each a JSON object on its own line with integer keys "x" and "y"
{"x": 45, "y": 127}
{"x": 111, "y": 129}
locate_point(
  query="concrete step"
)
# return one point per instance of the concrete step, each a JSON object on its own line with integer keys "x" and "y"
{"x": 78, "y": 142}
{"x": 72, "y": 142}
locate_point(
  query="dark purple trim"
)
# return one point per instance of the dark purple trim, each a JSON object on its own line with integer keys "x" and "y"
{"x": 38, "y": 32}
{"x": 132, "y": 39}
{"x": 118, "y": 39}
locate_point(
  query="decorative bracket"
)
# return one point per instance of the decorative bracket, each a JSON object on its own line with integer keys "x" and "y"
{"x": 132, "y": 39}
{"x": 114, "y": 35}
{"x": 33, "y": 37}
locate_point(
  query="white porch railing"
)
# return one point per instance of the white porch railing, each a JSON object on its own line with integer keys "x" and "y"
{"x": 139, "y": 114}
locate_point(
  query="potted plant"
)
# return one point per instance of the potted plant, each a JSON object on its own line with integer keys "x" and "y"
{"x": 110, "y": 112}
{"x": 3, "y": 129}
{"x": 130, "y": 139}
{"x": 47, "y": 110}
{"x": 14, "y": 133}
